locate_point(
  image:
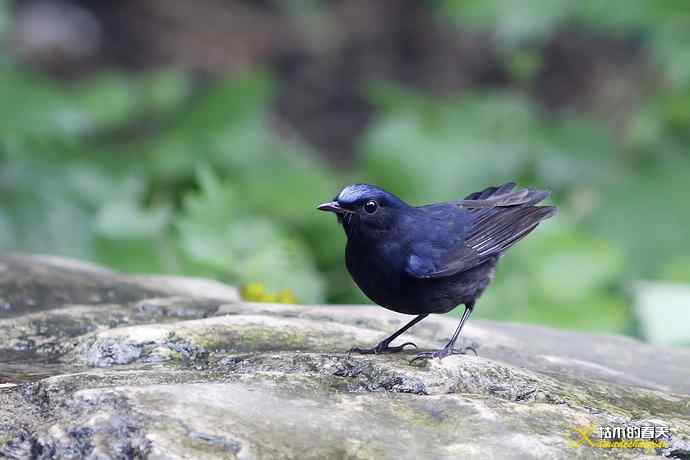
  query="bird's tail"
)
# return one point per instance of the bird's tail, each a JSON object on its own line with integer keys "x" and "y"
{"x": 503, "y": 196}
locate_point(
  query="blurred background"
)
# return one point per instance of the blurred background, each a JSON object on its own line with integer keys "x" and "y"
{"x": 197, "y": 137}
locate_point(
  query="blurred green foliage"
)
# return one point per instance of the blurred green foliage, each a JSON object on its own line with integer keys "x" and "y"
{"x": 155, "y": 173}
{"x": 211, "y": 192}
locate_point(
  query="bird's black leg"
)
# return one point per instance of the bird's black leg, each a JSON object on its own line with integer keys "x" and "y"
{"x": 449, "y": 348}
{"x": 383, "y": 347}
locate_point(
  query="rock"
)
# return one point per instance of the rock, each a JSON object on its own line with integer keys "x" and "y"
{"x": 29, "y": 284}
{"x": 101, "y": 365}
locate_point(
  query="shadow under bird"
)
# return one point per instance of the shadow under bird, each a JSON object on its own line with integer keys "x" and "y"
{"x": 419, "y": 260}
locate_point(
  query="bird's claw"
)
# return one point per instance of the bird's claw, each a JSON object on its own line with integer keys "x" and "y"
{"x": 381, "y": 348}
{"x": 442, "y": 353}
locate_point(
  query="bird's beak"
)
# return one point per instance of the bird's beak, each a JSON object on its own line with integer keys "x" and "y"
{"x": 332, "y": 206}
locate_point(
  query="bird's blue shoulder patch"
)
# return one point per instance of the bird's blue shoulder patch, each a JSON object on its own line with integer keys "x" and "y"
{"x": 419, "y": 267}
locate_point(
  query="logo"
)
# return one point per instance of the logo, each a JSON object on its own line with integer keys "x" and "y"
{"x": 621, "y": 436}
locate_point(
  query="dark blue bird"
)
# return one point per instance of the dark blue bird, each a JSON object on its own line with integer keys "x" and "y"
{"x": 430, "y": 259}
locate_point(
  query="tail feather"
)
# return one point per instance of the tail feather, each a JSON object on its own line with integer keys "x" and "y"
{"x": 502, "y": 196}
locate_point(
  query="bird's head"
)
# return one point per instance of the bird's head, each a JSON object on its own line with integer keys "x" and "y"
{"x": 365, "y": 210}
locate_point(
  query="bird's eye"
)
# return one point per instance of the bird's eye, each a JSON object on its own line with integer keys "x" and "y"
{"x": 371, "y": 206}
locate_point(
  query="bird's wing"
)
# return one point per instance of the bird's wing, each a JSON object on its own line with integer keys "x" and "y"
{"x": 488, "y": 232}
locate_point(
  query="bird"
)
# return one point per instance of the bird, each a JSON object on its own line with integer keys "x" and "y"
{"x": 430, "y": 259}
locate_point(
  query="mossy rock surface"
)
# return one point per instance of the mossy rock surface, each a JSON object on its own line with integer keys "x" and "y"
{"x": 95, "y": 364}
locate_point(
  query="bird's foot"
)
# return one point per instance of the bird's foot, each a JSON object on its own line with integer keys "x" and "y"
{"x": 443, "y": 352}
{"x": 381, "y": 348}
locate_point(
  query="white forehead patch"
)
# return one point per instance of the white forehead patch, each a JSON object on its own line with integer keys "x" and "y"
{"x": 353, "y": 192}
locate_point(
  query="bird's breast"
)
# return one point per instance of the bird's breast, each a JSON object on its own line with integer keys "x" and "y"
{"x": 378, "y": 273}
